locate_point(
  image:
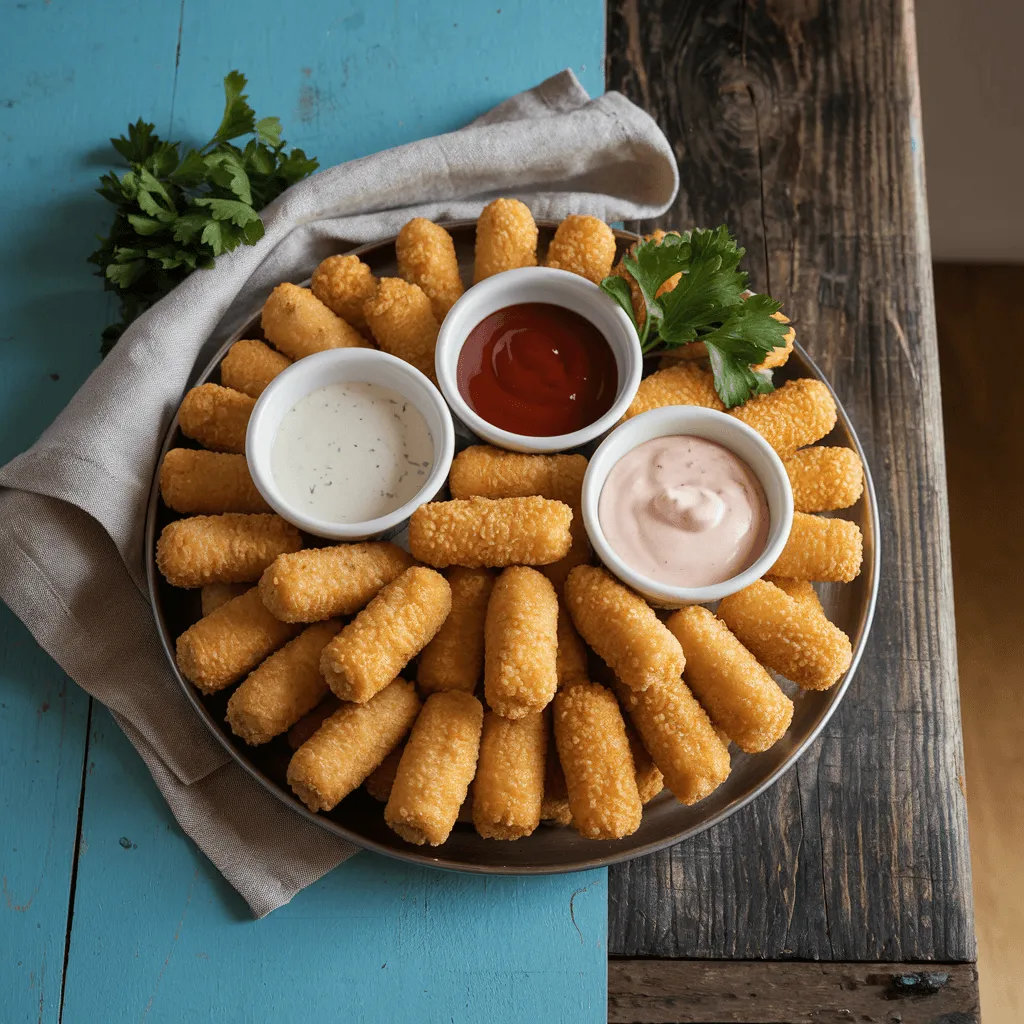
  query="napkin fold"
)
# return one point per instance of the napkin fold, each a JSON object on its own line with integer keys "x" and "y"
{"x": 72, "y": 507}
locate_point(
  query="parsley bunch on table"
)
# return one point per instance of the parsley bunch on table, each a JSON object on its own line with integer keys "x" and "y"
{"x": 710, "y": 303}
{"x": 176, "y": 213}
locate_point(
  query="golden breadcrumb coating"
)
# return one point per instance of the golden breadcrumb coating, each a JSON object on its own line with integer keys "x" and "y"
{"x": 350, "y": 745}
{"x": 343, "y": 284}
{"x": 379, "y": 782}
{"x": 593, "y": 749}
{"x": 506, "y": 238}
{"x": 555, "y": 806}
{"x": 579, "y": 553}
{"x": 649, "y": 780}
{"x": 198, "y": 482}
{"x": 216, "y": 417}
{"x": 802, "y": 591}
{"x": 213, "y": 595}
{"x": 819, "y": 548}
{"x": 786, "y": 635}
{"x": 250, "y": 366}
{"x": 298, "y": 324}
{"x": 797, "y": 414}
{"x": 583, "y": 245}
{"x": 454, "y": 659}
{"x": 481, "y": 471}
{"x": 426, "y": 257}
{"x": 824, "y": 479}
{"x": 779, "y": 356}
{"x": 403, "y": 322}
{"x": 521, "y": 643}
{"x": 571, "y": 664}
{"x": 437, "y": 766}
{"x": 622, "y": 628}
{"x": 636, "y": 295}
{"x": 229, "y": 548}
{"x": 681, "y": 384}
{"x": 324, "y": 582}
{"x": 384, "y": 637}
{"x": 737, "y": 693}
{"x": 308, "y": 724}
{"x": 229, "y": 642}
{"x": 508, "y": 790}
{"x": 490, "y": 532}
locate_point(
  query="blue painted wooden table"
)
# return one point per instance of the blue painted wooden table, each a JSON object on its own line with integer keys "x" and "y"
{"x": 109, "y": 913}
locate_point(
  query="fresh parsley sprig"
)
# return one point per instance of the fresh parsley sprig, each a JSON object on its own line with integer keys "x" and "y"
{"x": 709, "y": 304}
{"x": 176, "y": 214}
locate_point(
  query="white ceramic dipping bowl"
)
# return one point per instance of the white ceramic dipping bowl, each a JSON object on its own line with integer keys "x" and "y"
{"x": 335, "y": 366}
{"x": 559, "y": 288}
{"x": 729, "y": 432}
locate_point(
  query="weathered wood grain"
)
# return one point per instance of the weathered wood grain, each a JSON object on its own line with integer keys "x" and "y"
{"x": 797, "y": 124}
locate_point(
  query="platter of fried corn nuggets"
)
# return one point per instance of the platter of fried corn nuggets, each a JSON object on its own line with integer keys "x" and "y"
{"x": 478, "y": 692}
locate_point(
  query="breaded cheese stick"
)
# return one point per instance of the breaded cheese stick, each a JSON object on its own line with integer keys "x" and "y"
{"x": 490, "y": 532}
{"x": 649, "y": 780}
{"x": 681, "y": 384}
{"x": 279, "y": 692}
{"x": 680, "y": 738}
{"x": 506, "y": 238}
{"x": 350, "y": 744}
{"x": 229, "y": 548}
{"x": 824, "y": 479}
{"x": 594, "y": 753}
{"x": 250, "y": 366}
{"x": 802, "y": 591}
{"x": 343, "y": 284}
{"x": 779, "y": 356}
{"x": 828, "y": 550}
{"x": 788, "y": 636}
{"x": 213, "y": 595}
{"x": 481, "y": 471}
{"x": 555, "y": 806}
{"x": 310, "y": 722}
{"x": 379, "y": 782}
{"x": 622, "y": 628}
{"x": 583, "y": 245}
{"x": 636, "y": 295}
{"x": 571, "y": 664}
{"x": 437, "y": 766}
{"x": 216, "y": 417}
{"x": 454, "y": 659}
{"x": 198, "y": 482}
{"x": 799, "y": 413}
{"x": 402, "y": 320}
{"x": 382, "y": 639}
{"x": 508, "y": 790}
{"x": 521, "y": 643}
{"x": 426, "y": 257}
{"x": 579, "y": 553}
{"x": 737, "y": 693}
{"x": 320, "y": 583}
{"x": 298, "y": 324}
{"x": 229, "y": 642}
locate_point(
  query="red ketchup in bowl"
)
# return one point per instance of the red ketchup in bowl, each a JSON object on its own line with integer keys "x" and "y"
{"x": 537, "y": 369}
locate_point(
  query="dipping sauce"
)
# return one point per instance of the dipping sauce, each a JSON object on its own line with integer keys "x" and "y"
{"x": 684, "y": 511}
{"x": 537, "y": 369}
{"x": 351, "y": 452}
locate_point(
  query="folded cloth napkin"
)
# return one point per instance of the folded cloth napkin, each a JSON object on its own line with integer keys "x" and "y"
{"x": 72, "y": 564}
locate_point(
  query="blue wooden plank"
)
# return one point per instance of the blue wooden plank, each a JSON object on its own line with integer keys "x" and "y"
{"x": 158, "y": 936}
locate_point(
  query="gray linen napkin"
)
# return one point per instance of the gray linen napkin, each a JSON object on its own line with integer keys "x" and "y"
{"x": 72, "y": 506}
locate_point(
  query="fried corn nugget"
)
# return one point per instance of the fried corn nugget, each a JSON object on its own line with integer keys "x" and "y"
{"x": 403, "y": 322}
{"x": 622, "y": 628}
{"x": 787, "y": 636}
{"x": 802, "y": 591}
{"x": 779, "y": 356}
{"x": 343, "y": 284}
{"x": 229, "y": 548}
{"x": 216, "y": 417}
{"x": 571, "y": 664}
{"x": 229, "y": 642}
{"x": 649, "y": 780}
{"x": 298, "y": 324}
{"x": 680, "y": 738}
{"x": 737, "y": 693}
{"x": 379, "y": 782}
{"x": 490, "y": 532}
{"x": 521, "y": 643}
{"x": 250, "y": 366}
{"x": 437, "y": 766}
{"x": 508, "y": 790}
{"x": 682, "y": 384}
{"x": 426, "y": 257}
{"x": 198, "y": 482}
{"x": 454, "y": 659}
{"x": 321, "y": 583}
{"x": 381, "y": 640}
{"x": 797, "y": 414}
{"x": 506, "y": 238}
{"x": 286, "y": 686}
{"x": 555, "y": 806}
{"x": 824, "y": 479}
{"x": 339, "y": 756}
{"x": 309, "y": 723}
{"x": 829, "y": 550}
{"x": 583, "y": 245}
{"x": 485, "y": 472}
{"x": 593, "y": 749}
{"x": 213, "y": 595}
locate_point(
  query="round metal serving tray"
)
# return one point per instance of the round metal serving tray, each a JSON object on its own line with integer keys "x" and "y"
{"x": 360, "y": 819}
